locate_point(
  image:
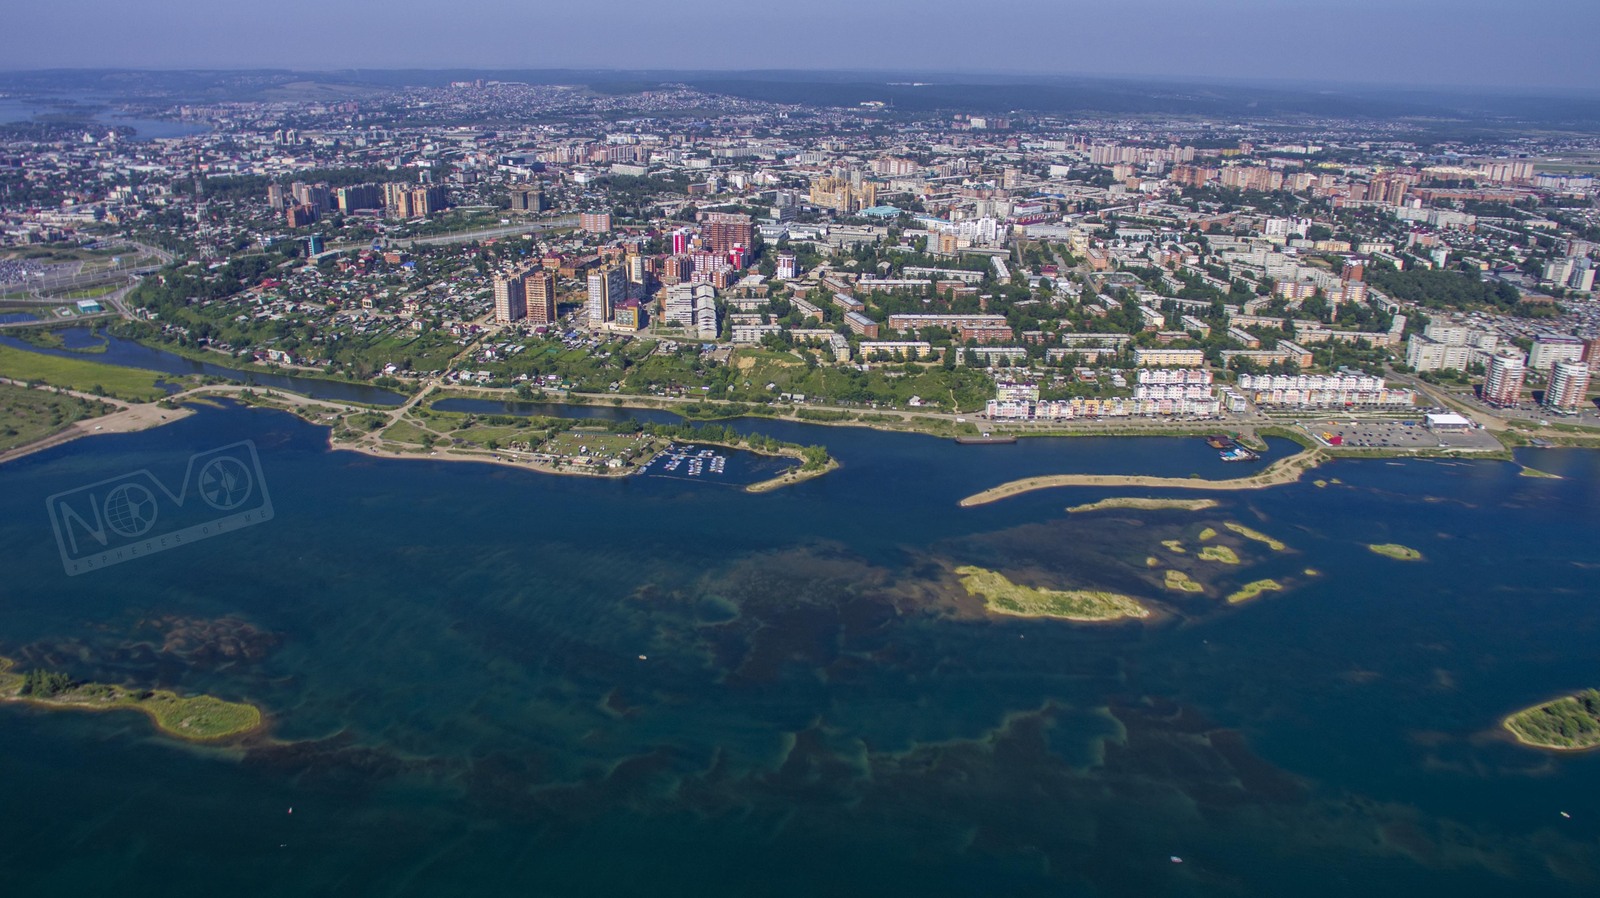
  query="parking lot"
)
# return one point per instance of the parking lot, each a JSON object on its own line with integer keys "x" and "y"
{"x": 1393, "y": 435}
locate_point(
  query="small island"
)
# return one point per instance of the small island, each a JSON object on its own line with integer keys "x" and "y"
{"x": 196, "y": 718}
{"x": 1256, "y": 535}
{"x": 1250, "y": 590}
{"x": 1221, "y": 554}
{"x": 1182, "y": 582}
{"x": 1570, "y": 723}
{"x": 1396, "y": 551}
{"x": 1145, "y": 504}
{"x": 1001, "y": 596}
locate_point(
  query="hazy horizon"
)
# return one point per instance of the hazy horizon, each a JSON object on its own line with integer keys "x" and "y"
{"x": 1471, "y": 44}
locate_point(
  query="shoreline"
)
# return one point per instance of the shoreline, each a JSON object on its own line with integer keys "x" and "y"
{"x": 509, "y": 459}
{"x": 131, "y": 418}
{"x": 1283, "y": 471}
{"x": 138, "y": 416}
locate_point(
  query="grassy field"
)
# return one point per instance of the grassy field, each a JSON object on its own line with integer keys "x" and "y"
{"x": 1256, "y": 535}
{"x": 196, "y": 718}
{"x": 91, "y": 292}
{"x": 28, "y": 415}
{"x": 1250, "y": 590}
{"x": 595, "y": 444}
{"x": 1002, "y": 596}
{"x": 133, "y": 384}
{"x": 1219, "y": 553}
{"x": 404, "y": 432}
{"x": 1146, "y": 504}
{"x": 1182, "y": 582}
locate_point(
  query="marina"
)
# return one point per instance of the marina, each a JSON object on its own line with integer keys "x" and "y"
{"x": 687, "y": 461}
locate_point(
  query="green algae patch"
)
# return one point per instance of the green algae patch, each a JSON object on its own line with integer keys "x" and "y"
{"x": 1145, "y": 504}
{"x": 1251, "y": 590}
{"x": 1256, "y": 535}
{"x": 1001, "y": 596}
{"x": 1396, "y": 551}
{"x": 1570, "y": 723}
{"x": 1222, "y": 554}
{"x": 196, "y": 718}
{"x": 1174, "y": 545}
{"x": 1178, "y": 580}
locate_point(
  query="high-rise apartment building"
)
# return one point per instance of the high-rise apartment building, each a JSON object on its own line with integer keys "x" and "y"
{"x": 1503, "y": 385}
{"x": 725, "y": 231}
{"x": 607, "y": 288}
{"x": 317, "y": 196}
{"x": 1569, "y": 387}
{"x": 510, "y": 297}
{"x": 1548, "y": 349}
{"x": 540, "y": 290}
{"x": 595, "y": 222}
{"x": 412, "y": 200}
{"x": 359, "y": 196}
{"x": 528, "y": 198}
{"x": 397, "y": 201}
{"x": 843, "y": 195}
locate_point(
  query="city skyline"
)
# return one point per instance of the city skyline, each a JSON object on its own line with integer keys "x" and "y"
{"x": 1476, "y": 43}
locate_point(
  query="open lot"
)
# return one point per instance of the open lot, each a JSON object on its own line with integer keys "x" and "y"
{"x": 1392, "y": 435}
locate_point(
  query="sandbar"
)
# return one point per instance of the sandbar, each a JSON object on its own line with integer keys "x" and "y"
{"x": 1280, "y": 472}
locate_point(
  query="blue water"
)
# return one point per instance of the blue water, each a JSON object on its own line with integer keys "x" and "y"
{"x": 17, "y": 109}
{"x": 449, "y": 654}
{"x": 113, "y": 350}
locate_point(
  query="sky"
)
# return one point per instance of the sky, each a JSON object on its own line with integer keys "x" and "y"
{"x": 1464, "y": 43}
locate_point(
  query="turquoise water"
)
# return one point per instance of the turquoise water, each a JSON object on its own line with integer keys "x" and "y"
{"x": 449, "y": 655}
